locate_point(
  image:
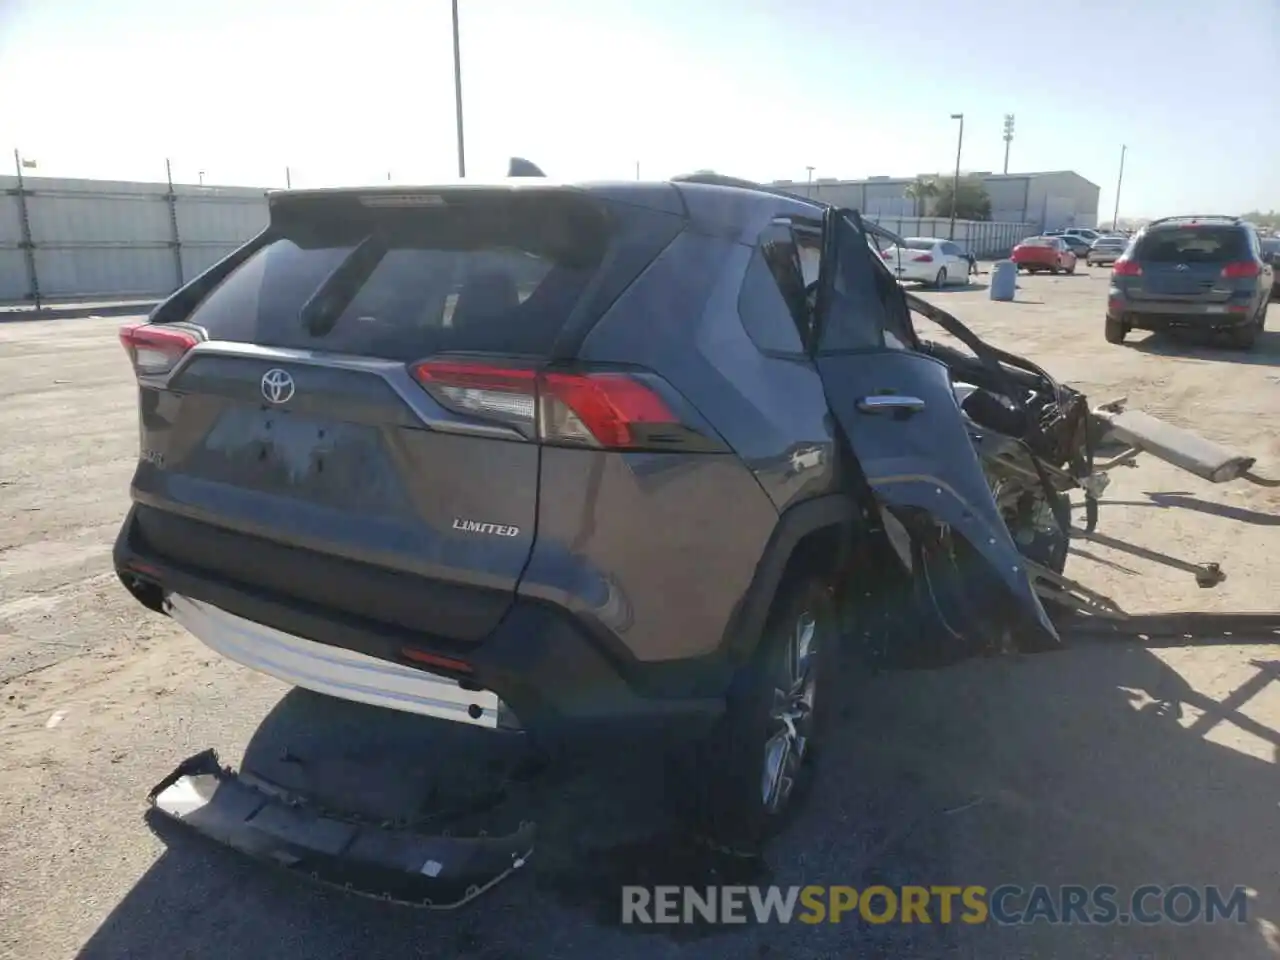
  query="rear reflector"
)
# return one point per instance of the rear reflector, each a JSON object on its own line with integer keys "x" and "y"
{"x": 154, "y": 349}
{"x": 598, "y": 409}
{"x": 435, "y": 660}
{"x": 1126, "y": 268}
{"x": 1244, "y": 270}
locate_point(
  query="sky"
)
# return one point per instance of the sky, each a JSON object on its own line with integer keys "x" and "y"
{"x": 357, "y": 91}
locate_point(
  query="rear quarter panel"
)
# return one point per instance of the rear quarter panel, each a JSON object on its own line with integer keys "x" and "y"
{"x": 661, "y": 548}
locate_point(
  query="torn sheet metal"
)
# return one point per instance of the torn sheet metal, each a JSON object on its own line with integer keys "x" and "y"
{"x": 399, "y": 865}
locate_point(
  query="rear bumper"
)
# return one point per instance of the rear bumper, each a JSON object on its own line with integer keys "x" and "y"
{"x": 1165, "y": 316}
{"x": 384, "y": 861}
{"x": 541, "y": 670}
{"x": 337, "y": 671}
{"x": 919, "y": 272}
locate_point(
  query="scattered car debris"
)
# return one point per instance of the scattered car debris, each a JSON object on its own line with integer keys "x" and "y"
{"x": 373, "y": 860}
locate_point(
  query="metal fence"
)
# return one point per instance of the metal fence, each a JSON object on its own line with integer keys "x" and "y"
{"x": 64, "y": 239}
{"x": 982, "y": 238}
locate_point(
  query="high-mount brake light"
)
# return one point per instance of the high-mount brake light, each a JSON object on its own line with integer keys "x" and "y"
{"x": 596, "y": 409}
{"x": 155, "y": 349}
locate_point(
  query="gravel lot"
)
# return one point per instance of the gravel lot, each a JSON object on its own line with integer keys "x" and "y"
{"x": 1110, "y": 762}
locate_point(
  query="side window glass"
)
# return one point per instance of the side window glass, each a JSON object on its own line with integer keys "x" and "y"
{"x": 855, "y": 314}
{"x": 771, "y": 303}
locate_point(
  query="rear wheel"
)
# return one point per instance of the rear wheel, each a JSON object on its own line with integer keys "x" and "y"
{"x": 1055, "y": 270}
{"x": 1116, "y": 331}
{"x": 1071, "y": 269}
{"x": 745, "y": 774}
{"x": 1245, "y": 337}
{"x": 940, "y": 280}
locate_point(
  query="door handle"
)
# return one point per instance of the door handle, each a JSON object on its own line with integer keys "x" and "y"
{"x": 891, "y": 403}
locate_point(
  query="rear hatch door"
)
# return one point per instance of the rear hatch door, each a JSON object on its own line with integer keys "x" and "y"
{"x": 1182, "y": 266}
{"x": 295, "y": 449}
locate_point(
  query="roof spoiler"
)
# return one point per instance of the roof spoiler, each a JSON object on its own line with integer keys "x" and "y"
{"x": 520, "y": 167}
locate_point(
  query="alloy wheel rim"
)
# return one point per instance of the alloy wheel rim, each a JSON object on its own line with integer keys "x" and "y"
{"x": 791, "y": 713}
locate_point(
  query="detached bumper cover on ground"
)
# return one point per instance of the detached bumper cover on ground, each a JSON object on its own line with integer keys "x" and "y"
{"x": 376, "y": 861}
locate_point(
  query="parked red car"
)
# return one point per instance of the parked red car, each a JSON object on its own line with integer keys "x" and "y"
{"x": 1044, "y": 253}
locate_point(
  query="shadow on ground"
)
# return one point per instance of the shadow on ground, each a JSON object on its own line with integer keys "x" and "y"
{"x": 1093, "y": 765}
{"x": 956, "y": 288}
{"x": 1207, "y": 346}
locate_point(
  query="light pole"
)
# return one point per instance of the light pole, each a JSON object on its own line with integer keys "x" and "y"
{"x": 1115, "y": 217}
{"x": 1008, "y": 138}
{"x": 809, "y": 183}
{"x": 457, "y": 91}
{"x": 200, "y": 176}
{"x": 955, "y": 181}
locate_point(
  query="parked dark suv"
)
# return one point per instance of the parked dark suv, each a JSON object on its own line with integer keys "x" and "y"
{"x": 1194, "y": 272}
{"x": 546, "y": 458}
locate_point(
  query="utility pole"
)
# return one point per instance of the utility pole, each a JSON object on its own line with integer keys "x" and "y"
{"x": 200, "y": 177}
{"x": 955, "y": 182}
{"x": 288, "y": 179}
{"x": 1115, "y": 217}
{"x": 637, "y": 169}
{"x": 1008, "y": 138}
{"x": 809, "y": 184}
{"x": 457, "y": 91}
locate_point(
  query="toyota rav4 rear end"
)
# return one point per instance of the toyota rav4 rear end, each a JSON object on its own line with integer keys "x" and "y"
{"x": 373, "y": 463}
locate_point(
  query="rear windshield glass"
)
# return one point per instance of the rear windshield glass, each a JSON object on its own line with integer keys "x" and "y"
{"x": 481, "y": 274}
{"x": 1038, "y": 242}
{"x": 1194, "y": 245}
{"x": 915, "y": 243}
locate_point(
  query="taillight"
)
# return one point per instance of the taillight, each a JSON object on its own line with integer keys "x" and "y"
{"x": 155, "y": 349}
{"x": 1126, "y": 268}
{"x": 924, "y": 258}
{"x": 509, "y": 394}
{"x": 1244, "y": 270}
{"x": 596, "y": 409}
{"x": 886, "y": 254}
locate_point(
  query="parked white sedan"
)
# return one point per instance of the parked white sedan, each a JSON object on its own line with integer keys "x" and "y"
{"x": 928, "y": 260}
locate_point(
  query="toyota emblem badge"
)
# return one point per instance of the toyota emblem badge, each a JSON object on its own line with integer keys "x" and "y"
{"x": 277, "y": 386}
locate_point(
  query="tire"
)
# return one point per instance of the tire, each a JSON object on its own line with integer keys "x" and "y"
{"x": 1071, "y": 269}
{"x": 747, "y": 772}
{"x": 940, "y": 280}
{"x": 1055, "y": 270}
{"x": 1115, "y": 331}
{"x": 1244, "y": 338}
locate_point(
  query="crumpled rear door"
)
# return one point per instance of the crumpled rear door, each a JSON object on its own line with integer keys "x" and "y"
{"x": 898, "y": 411}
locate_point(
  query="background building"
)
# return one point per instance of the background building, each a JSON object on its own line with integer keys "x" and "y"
{"x": 1050, "y": 200}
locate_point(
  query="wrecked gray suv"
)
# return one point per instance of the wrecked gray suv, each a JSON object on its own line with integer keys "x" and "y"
{"x": 600, "y": 457}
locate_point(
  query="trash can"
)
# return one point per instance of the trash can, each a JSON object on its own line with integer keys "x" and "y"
{"x": 1004, "y": 280}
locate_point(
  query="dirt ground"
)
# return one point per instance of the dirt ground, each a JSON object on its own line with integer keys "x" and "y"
{"x": 1112, "y": 762}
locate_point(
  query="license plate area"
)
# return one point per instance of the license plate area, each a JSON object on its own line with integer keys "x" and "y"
{"x": 332, "y": 463}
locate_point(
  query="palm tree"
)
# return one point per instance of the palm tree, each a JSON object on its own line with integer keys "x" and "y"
{"x": 919, "y": 191}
